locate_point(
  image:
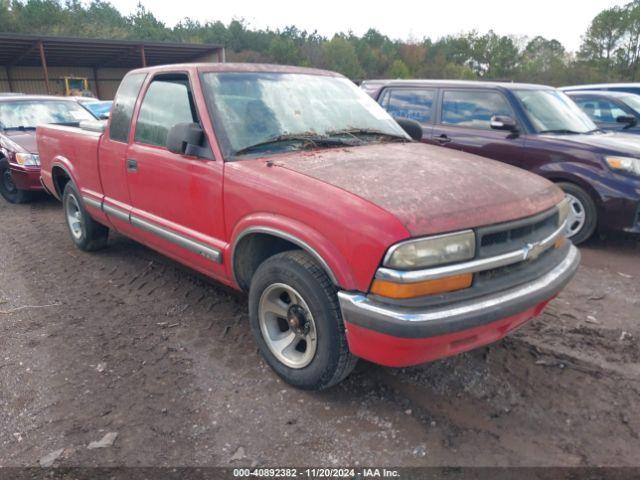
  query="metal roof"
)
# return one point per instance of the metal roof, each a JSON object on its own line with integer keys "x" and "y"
{"x": 24, "y": 50}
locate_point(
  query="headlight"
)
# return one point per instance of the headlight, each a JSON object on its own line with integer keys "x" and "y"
{"x": 625, "y": 164}
{"x": 563, "y": 211}
{"x": 427, "y": 252}
{"x": 27, "y": 159}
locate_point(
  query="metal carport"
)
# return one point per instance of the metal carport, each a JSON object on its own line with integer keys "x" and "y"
{"x": 38, "y": 64}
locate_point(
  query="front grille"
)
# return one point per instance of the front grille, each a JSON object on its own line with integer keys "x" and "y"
{"x": 510, "y": 236}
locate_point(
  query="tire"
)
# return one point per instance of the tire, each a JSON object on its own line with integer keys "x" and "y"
{"x": 86, "y": 233}
{"x": 8, "y": 189}
{"x": 583, "y": 212}
{"x": 314, "y": 318}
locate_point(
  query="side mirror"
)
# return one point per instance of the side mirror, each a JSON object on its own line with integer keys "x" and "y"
{"x": 413, "y": 128}
{"x": 503, "y": 122}
{"x": 185, "y": 138}
{"x": 630, "y": 120}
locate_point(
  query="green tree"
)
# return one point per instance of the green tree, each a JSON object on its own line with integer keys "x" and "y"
{"x": 603, "y": 35}
{"x": 340, "y": 55}
{"x": 144, "y": 25}
{"x": 543, "y": 61}
{"x": 398, "y": 69}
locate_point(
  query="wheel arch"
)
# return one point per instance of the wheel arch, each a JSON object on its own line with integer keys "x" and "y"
{"x": 577, "y": 180}
{"x": 255, "y": 244}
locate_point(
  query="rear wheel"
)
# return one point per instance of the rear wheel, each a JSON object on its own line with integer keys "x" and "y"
{"x": 86, "y": 233}
{"x": 296, "y": 321}
{"x": 8, "y": 189}
{"x": 583, "y": 216}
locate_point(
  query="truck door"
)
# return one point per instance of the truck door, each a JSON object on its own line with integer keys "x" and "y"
{"x": 176, "y": 199}
{"x": 113, "y": 152}
{"x": 414, "y": 103}
{"x": 464, "y": 124}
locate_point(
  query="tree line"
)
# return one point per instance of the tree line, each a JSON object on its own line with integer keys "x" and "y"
{"x": 610, "y": 49}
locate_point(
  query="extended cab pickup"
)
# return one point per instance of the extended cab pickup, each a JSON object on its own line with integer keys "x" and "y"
{"x": 352, "y": 240}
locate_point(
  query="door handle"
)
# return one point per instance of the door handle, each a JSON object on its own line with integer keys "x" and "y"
{"x": 132, "y": 165}
{"x": 442, "y": 139}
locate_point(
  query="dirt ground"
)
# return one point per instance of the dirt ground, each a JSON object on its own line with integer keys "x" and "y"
{"x": 127, "y": 341}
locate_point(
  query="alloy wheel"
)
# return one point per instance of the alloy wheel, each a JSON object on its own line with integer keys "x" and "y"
{"x": 287, "y": 325}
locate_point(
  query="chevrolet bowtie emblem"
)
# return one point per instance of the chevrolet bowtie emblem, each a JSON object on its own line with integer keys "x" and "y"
{"x": 533, "y": 250}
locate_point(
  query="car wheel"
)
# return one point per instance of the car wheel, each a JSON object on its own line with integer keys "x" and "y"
{"x": 583, "y": 216}
{"x": 8, "y": 189}
{"x": 86, "y": 233}
{"x": 296, "y": 321}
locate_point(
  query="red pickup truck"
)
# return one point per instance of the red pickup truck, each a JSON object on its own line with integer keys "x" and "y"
{"x": 352, "y": 240}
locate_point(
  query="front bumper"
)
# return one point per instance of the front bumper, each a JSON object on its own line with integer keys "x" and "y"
{"x": 26, "y": 178}
{"x": 402, "y": 336}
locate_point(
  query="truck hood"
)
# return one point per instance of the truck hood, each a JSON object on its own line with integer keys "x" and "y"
{"x": 429, "y": 189}
{"x": 25, "y": 140}
{"x": 617, "y": 143}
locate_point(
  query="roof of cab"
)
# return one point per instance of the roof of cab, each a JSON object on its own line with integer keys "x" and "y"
{"x": 237, "y": 67}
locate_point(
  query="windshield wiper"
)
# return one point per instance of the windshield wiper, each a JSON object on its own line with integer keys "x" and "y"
{"x": 306, "y": 139}
{"x": 365, "y": 131}
{"x": 562, "y": 131}
{"x": 20, "y": 128}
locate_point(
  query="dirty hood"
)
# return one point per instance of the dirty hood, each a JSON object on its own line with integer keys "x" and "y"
{"x": 25, "y": 140}
{"x": 430, "y": 189}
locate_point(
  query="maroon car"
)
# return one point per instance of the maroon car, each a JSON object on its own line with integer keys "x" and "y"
{"x": 19, "y": 117}
{"x": 533, "y": 127}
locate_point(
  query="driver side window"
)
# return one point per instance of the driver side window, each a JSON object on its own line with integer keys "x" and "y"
{"x": 167, "y": 102}
{"x": 473, "y": 109}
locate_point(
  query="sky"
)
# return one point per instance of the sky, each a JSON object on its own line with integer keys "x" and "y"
{"x": 564, "y": 20}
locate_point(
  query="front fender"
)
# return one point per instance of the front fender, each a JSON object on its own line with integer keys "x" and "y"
{"x": 587, "y": 177}
{"x": 305, "y": 236}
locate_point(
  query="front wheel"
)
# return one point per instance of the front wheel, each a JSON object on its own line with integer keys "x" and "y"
{"x": 8, "y": 189}
{"x": 86, "y": 233}
{"x": 296, "y": 321}
{"x": 583, "y": 216}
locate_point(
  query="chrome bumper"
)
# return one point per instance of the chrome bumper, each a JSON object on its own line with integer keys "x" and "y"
{"x": 359, "y": 309}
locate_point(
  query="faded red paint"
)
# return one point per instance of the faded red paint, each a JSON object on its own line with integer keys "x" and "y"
{"x": 430, "y": 189}
{"x": 404, "y": 352}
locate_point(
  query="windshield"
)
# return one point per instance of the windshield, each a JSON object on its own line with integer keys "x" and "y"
{"x": 551, "y": 111}
{"x": 250, "y": 109}
{"x": 633, "y": 101}
{"x": 31, "y": 113}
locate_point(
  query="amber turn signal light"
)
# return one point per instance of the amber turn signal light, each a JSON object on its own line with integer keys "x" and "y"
{"x": 388, "y": 289}
{"x": 559, "y": 241}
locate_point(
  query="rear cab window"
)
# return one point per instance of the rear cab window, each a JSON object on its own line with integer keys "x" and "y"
{"x": 123, "y": 105}
{"x": 168, "y": 101}
{"x": 412, "y": 103}
{"x": 473, "y": 108}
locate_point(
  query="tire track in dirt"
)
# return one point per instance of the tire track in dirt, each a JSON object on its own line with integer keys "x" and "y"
{"x": 183, "y": 383}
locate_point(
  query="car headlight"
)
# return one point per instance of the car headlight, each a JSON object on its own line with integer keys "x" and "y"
{"x": 563, "y": 211}
{"x": 427, "y": 252}
{"x": 27, "y": 159}
{"x": 625, "y": 164}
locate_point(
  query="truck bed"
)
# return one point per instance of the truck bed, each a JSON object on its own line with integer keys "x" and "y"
{"x": 72, "y": 149}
